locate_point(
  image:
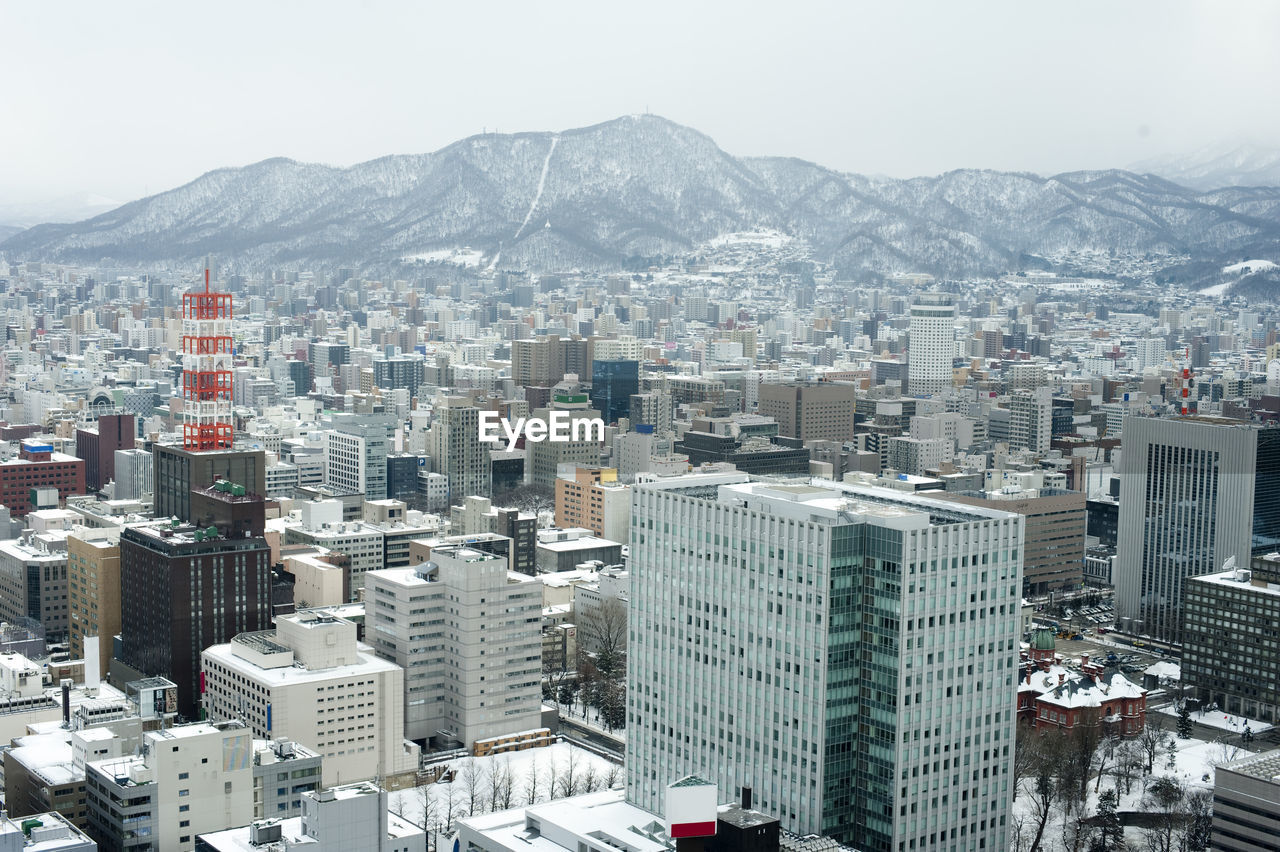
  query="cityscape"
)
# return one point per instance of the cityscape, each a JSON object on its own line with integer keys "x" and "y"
{"x": 597, "y": 489}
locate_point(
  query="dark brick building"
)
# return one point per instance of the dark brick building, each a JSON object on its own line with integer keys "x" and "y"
{"x": 97, "y": 445}
{"x": 189, "y": 587}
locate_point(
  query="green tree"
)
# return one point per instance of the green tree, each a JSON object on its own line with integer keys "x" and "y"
{"x": 1110, "y": 834}
{"x": 1185, "y": 725}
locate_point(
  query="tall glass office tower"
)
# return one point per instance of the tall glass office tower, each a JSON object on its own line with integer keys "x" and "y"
{"x": 1194, "y": 492}
{"x": 849, "y": 653}
{"x": 612, "y": 384}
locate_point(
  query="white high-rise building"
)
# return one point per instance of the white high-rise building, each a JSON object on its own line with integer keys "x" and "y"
{"x": 1149, "y": 352}
{"x": 850, "y": 653}
{"x": 355, "y": 455}
{"x": 309, "y": 680}
{"x": 1031, "y": 419}
{"x": 933, "y": 317}
{"x": 467, "y": 631}
{"x": 456, "y": 449}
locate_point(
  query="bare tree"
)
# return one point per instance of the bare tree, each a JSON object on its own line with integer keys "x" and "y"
{"x": 472, "y": 780}
{"x": 1041, "y": 802}
{"x": 603, "y": 632}
{"x": 1080, "y": 751}
{"x": 1107, "y": 754}
{"x": 613, "y": 776}
{"x": 495, "y": 779}
{"x": 1018, "y": 832}
{"x": 1128, "y": 763}
{"x": 1025, "y": 755}
{"x": 1223, "y": 752}
{"x": 532, "y": 782}
{"x": 450, "y": 808}
{"x": 571, "y": 778}
{"x": 1151, "y": 738}
{"x": 553, "y": 783}
{"x": 428, "y": 802}
{"x": 1164, "y": 803}
{"x": 503, "y": 786}
{"x": 590, "y": 780}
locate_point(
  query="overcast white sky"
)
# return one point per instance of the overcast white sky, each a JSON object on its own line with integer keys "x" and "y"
{"x": 126, "y": 98}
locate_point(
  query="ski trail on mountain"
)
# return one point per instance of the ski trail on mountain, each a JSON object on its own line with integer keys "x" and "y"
{"x": 542, "y": 182}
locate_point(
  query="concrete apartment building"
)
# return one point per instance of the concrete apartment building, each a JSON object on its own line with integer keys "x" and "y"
{"x": 1031, "y": 419}
{"x": 591, "y": 497}
{"x": 322, "y": 526}
{"x": 33, "y": 580}
{"x": 309, "y": 680}
{"x": 811, "y": 411}
{"x": 456, "y": 449}
{"x": 1231, "y": 639}
{"x": 93, "y": 591}
{"x": 545, "y": 457}
{"x": 904, "y": 615}
{"x": 187, "y": 780}
{"x": 467, "y": 632}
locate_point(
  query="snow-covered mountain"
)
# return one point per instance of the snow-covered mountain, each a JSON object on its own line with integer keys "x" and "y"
{"x": 1214, "y": 166}
{"x": 641, "y": 186}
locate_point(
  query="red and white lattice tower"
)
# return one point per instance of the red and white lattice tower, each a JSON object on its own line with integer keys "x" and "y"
{"x": 206, "y": 369}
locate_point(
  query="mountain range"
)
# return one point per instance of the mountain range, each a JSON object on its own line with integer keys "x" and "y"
{"x": 640, "y": 187}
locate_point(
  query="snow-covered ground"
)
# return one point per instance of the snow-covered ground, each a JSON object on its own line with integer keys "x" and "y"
{"x": 456, "y": 256}
{"x": 1220, "y": 720}
{"x": 1246, "y": 267}
{"x": 1217, "y": 289}
{"x": 513, "y": 779}
{"x": 773, "y": 239}
{"x": 1193, "y": 767}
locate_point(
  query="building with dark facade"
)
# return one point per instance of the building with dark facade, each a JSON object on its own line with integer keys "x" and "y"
{"x": 1103, "y": 519}
{"x": 751, "y": 455}
{"x": 177, "y": 471}
{"x": 402, "y": 477}
{"x": 1231, "y": 639}
{"x": 400, "y": 372}
{"x": 38, "y": 467}
{"x": 190, "y": 587}
{"x": 612, "y": 384}
{"x": 97, "y": 445}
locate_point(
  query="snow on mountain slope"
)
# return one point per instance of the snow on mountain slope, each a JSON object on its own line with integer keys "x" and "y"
{"x": 641, "y": 186}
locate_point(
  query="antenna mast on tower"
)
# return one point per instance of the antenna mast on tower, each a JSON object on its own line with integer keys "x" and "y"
{"x": 206, "y": 369}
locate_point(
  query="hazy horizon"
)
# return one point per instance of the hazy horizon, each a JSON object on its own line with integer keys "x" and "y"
{"x": 129, "y": 103}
